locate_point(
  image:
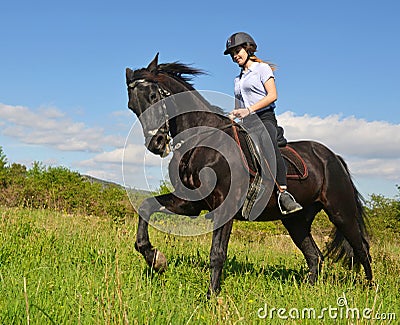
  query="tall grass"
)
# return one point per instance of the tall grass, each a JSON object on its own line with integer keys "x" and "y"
{"x": 62, "y": 269}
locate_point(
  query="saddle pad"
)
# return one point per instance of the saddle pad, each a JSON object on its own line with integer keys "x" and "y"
{"x": 296, "y": 167}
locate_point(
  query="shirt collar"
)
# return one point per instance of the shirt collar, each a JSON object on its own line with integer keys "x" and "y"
{"x": 250, "y": 69}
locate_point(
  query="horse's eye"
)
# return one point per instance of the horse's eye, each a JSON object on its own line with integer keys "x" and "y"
{"x": 153, "y": 97}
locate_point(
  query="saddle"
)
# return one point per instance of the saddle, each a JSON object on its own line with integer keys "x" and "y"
{"x": 296, "y": 167}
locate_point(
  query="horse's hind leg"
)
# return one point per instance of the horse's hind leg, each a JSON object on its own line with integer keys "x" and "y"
{"x": 348, "y": 228}
{"x": 163, "y": 203}
{"x": 218, "y": 255}
{"x": 343, "y": 206}
{"x": 299, "y": 228}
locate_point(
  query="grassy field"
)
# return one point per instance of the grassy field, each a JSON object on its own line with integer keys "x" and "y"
{"x": 63, "y": 269}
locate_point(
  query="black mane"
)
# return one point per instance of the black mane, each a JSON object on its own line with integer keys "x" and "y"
{"x": 180, "y": 72}
{"x": 184, "y": 74}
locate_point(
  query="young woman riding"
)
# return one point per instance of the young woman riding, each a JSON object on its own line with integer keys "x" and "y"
{"x": 255, "y": 93}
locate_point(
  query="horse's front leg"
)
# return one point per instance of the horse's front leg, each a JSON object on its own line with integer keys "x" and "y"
{"x": 218, "y": 253}
{"x": 154, "y": 258}
{"x": 167, "y": 203}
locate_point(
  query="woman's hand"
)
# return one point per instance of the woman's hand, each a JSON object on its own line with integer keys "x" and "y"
{"x": 239, "y": 113}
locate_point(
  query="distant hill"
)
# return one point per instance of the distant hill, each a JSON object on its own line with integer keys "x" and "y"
{"x": 104, "y": 183}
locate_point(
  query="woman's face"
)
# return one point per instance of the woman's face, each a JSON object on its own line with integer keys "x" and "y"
{"x": 239, "y": 55}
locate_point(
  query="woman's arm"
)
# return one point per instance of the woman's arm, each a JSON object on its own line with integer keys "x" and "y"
{"x": 271, "y": 96}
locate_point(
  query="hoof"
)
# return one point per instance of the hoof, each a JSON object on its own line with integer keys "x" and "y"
{"x": 159, "y": 262}
{"x": 212, "y": 293}
{"x": 312, "y": 278}
{"x": 370, "y": 284}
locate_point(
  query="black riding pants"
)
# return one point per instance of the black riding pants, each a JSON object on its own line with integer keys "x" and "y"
{"x": 268, "y": 119}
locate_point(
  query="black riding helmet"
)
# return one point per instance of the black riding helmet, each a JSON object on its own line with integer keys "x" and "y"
{"x": 238, "y": 39}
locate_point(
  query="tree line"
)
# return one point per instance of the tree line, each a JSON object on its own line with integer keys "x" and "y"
{"x": 60, "y": 189}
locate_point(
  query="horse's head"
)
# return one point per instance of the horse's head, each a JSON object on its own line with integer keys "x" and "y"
{"x": 147, "y": 90}
{"x": 144, "y": 91}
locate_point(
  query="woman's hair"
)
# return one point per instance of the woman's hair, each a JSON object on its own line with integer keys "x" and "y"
{"x": 251, "y": 49}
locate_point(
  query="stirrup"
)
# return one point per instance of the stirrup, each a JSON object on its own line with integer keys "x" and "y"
{"x": 285, "y": 212}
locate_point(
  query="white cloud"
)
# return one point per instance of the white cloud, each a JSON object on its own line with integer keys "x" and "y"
{"x": 133, "y": 154}
{"x": 370, "y": 148}
{"x": 50, "y": 127}
{"x": 348, "y": 135}
{"x": 125, "y": 164}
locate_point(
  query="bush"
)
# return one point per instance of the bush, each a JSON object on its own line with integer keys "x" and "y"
{"x": 384, "y": 212}
{"x": 3, "y": 165}
{"x": 58, "y": 188}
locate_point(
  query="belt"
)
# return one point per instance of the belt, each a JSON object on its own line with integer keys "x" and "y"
{"x": 269, "y": 108}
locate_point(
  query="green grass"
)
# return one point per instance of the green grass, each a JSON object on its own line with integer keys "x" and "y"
{"x": 63, "y": 269}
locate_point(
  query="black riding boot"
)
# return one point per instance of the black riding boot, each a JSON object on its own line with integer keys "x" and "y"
{"x": 287, "y": 203}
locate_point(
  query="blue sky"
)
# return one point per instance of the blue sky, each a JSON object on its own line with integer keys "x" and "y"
{"x": 63, "y": 98}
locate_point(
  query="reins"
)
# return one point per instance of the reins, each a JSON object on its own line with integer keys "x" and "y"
{"x": 204, "y": 132}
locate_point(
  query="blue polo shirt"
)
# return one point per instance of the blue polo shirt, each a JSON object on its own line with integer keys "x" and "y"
{"x": 249, "y": 86}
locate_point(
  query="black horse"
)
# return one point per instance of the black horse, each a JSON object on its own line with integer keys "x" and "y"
{"x": 328, "y": 186}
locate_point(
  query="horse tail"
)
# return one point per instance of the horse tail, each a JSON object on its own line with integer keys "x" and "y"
{"x": 339, "y": 248}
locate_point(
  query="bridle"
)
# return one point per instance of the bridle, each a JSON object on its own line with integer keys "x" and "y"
{"x": 164, "y": 94}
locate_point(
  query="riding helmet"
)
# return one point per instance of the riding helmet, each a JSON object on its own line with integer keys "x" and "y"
{"x": 239, "y": 39}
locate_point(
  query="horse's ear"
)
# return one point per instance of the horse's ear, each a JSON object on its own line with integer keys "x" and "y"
{"x": 129, "y": 74}
{"x": 152, "y": 67}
